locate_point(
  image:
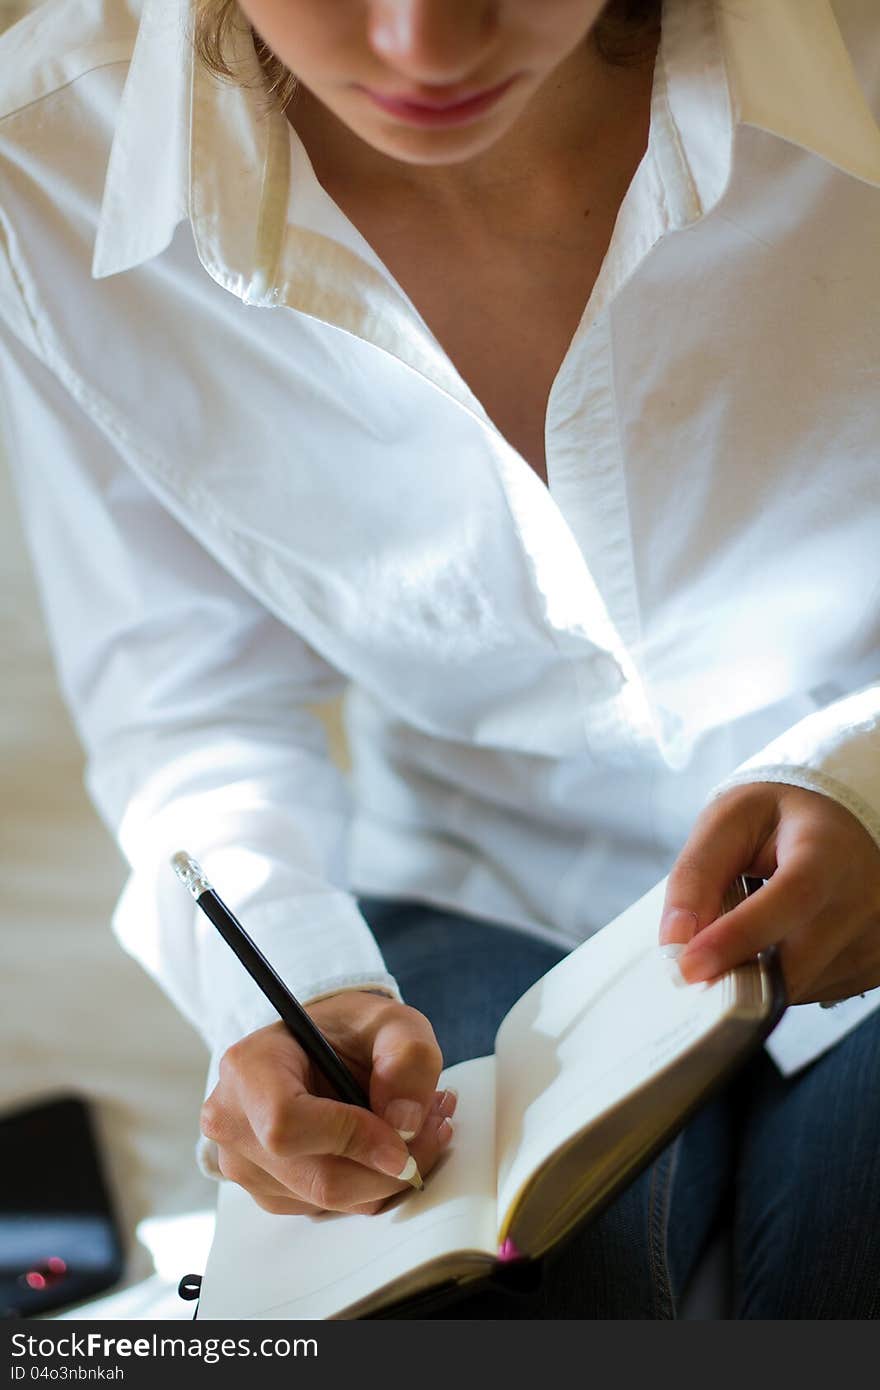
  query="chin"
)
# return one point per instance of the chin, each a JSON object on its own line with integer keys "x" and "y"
{"x": 432, "y": 147}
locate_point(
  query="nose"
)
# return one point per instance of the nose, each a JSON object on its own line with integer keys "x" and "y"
{"x": 435, "y": 42}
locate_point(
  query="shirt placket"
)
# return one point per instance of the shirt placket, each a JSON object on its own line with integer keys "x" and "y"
{"x": 586, "y": 459}
{"x": 587, "y": 483}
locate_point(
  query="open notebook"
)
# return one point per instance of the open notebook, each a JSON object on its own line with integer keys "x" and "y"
{"x": 595, "y": 1067}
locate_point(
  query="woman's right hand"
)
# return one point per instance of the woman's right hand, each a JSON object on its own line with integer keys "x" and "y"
{"x": 296, "y": 1150}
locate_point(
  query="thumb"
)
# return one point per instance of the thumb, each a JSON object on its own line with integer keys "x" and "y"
{"x": 722, "y": 845}
{"x": 406, "y": 1064}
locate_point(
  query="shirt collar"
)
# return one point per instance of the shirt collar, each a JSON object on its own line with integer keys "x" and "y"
{"x": 145, "y": 198}
{"x": 225, "y": 165}
{"x": 790, "y": 74}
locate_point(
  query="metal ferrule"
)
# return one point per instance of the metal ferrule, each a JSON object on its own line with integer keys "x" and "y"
{"x": 189, "y": 873}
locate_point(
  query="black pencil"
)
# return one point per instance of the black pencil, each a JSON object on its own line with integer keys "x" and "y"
{"x": 307, "y": 1034}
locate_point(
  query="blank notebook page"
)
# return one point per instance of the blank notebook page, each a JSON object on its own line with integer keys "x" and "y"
{"x": 598, "y": 1025}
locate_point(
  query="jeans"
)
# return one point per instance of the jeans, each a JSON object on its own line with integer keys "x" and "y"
{"x": 792, "y": 1164}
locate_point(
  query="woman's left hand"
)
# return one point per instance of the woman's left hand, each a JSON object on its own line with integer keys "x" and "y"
{"x": 820, "y": 905}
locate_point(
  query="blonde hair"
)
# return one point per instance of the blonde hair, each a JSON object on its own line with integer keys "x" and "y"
{"x": 619, "y": 34}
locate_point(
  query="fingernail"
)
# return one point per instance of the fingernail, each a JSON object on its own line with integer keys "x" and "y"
{"x": 406, "y": 1117}
{"x": 445, "y": 1131}
{"x": 410, "y": 1173}
{"x": 699, "y": 965}
{"x": 445, "y": 1102}
{"x": 672, "y": 951}
{"x": 673, "y": 972}
{"x": 389, "y": 1162}
{"x": 677, "y": 926}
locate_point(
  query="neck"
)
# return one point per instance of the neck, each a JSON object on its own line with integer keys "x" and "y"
{"x": 583, "y": 119}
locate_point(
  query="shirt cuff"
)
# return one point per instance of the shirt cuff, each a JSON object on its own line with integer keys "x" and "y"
{"x": 317, "y": 943}
{"x": 835, "y": 751}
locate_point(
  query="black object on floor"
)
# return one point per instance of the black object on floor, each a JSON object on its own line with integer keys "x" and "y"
{"x": 59, "y": 1236}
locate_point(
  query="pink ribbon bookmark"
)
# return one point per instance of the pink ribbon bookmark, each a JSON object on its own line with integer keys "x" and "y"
{"x": 507, "y": 1252}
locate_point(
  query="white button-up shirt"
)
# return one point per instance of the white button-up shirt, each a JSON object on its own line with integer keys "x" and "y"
{"x": 251, "y": 478}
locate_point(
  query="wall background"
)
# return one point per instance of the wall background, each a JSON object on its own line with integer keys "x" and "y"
{"x": 78, "y": 1014}
{"x": 11, "y": 10}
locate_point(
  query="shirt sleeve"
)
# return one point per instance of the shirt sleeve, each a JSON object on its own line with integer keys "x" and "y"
{"x": 835, "y": 750}
{"x": 190, "y": 700}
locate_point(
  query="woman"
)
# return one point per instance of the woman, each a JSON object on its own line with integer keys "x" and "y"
{"x": 558, "y": 450}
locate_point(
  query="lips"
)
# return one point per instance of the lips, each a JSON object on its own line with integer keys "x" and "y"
{"x": 449, "y": 109}
{"x": 445, "y": 103}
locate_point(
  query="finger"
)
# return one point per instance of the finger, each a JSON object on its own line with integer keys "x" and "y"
{"x": 341, "y": 1185}
{"x": 432, "y": 1140}
{"x": 406, "y": 1063}
{"x": 788, "y": 903}
{"x": 726, "y": 841}
{"x": 338, "y": 1184}
{"x": 444, "y": 1103}
{"x": 435, "y": 1137}
{"x": 289, "y": 1128}
{"x": 307, "y": 1126}
{"x": 266, "y": 1191}
{"x": 264, "y": 1064}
